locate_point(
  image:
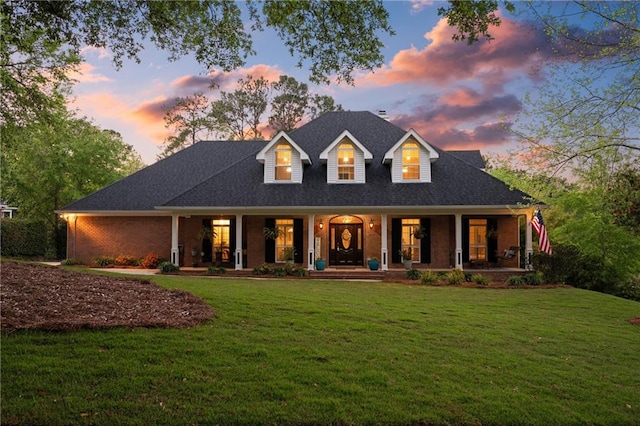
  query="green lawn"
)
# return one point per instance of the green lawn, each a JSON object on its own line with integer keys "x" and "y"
{"x": 321, "y": 352}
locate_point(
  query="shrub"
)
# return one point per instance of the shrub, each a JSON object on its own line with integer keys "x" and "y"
{"x": 168, "y": 267}
{"x": 629, "y": 289}
{"x": 264, "y": 269}
{"x": 70, "y": 262}
{"x": 103, "y": 261}
{"x": 414, "y": 274}
{"x": 126, "y": 260}
{"x": 480, "y": 279}
{"x": 299, "y": 271}
{"x": 516, "y": 280}
{"x": 279, "y": 272}
{"x": 533, "y": 279}
{"x": 150, "y": 261}
{"x": 23, "y": 238}
{"x": 455, "y": 277}
{"x": 216, "y": 270}
{"x": 429, "y": 277}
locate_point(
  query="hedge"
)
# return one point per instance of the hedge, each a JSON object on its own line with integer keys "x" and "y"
{"x": 22, "y": 238}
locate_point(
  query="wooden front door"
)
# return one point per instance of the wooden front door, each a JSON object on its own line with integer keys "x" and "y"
{"x": 345, "y": 245}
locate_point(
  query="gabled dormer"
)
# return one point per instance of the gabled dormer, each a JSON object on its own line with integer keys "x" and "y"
{"x": 411, "y": 159}
{"x": 283, "y": 160}
{"x": 345, "y": 158}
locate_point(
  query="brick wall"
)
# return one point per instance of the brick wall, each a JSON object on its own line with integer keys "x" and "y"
{"x": 89, "y": 237}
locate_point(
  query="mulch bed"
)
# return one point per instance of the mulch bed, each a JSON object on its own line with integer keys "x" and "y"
{"x": 36, "y": 296}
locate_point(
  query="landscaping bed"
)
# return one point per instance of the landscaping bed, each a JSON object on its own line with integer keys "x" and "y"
{"x": 44, "y": 297}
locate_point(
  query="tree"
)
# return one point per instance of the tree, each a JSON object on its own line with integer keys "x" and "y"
{"x": 473, "y": 18}
{"x": 41, "y": 41}
{"x": 189, "y": 121}
{"x": 48, "y": 165}
{"x": 236, "y": 115}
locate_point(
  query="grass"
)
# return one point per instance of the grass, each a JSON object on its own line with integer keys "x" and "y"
{"x": 320, "y": 352}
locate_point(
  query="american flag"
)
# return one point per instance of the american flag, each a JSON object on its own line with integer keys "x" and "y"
{"x": 541, "y": 230}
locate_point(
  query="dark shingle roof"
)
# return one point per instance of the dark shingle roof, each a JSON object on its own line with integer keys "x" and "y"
{"x": 227, "y": 174}
{"x": 473, "y": 157}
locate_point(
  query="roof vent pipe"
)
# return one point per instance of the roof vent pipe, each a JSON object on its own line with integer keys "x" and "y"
{"x": 383, "y": 114}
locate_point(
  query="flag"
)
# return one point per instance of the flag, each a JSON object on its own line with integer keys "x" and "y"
{"x": 541, "y": 230}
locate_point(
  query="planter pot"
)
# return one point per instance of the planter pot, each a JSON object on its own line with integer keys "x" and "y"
{"x": 408, "y": 264}
{"x": 374, "y": 265}
{"x": 320, "y": 265}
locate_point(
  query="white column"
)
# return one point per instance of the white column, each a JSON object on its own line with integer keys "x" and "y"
{"x": 458, "y": 264}
{"x": 384, "y": 252}
{"x": 175, "y": 252}
{"x": 311, "y": 256}
{"x": 238, "y": 253}
{"x": 528, "y": 248}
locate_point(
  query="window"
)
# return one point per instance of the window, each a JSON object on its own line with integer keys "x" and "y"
{"x": 283, "y": 162}
{"x": 410, "y": 161}
{"x": 346, "y": 162}
{"x": 477, "y": 239}
{"x": 220, "y": 242}
{"x": 409, "y": 241}
{"x": 284, "y": 241}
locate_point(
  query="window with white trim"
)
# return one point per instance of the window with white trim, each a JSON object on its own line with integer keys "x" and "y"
{"x": 346, "y": 162}
{"x": 409, "y": 241}
{"x": 410, "y": 161}
{"x": 283, "y": 162}
{"x": 477, "y": 239}
{"x": 284, "y": 241}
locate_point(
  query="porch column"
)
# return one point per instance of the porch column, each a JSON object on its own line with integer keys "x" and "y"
{"x": 238, "y": 253}
{"x": 311, "y": 252}
{"x": 528, "y": 248}
{"x": 175, "y": 252}
{"x": 458, "y": 264}
{"x": 383, "y": 237}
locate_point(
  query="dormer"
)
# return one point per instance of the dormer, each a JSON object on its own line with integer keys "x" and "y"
{"x": 345, "y": 158}
{"x": 411, "y": 159}
{"x": 283, "y": 160}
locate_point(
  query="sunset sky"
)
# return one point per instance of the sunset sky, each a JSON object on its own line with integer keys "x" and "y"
{"x": 456, "y": 96}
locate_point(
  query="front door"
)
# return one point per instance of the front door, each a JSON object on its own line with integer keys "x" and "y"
{"x": 345, "y": 245}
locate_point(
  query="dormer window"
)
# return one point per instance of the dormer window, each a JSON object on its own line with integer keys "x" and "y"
{"x": 346, "y": 162}
{"x": 283, "y": 161}
{"x": 410, "y": 161}
{"x": 345, "y": 158}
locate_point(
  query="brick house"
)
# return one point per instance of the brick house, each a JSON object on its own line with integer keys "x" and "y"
{"x": 346, "y": 187}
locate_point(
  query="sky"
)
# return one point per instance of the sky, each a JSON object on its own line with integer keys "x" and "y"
{"x": 454, "y": 95}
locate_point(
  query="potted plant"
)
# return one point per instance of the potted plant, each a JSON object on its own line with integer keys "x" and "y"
{"x": 320, "y": 264}
{"x": 374, "y": 263}
{"x": 407, "y": 257}
{"x": 419, "y": 232}
{"x": 272, "y": 233}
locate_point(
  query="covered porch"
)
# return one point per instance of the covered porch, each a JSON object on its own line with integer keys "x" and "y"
{"x": 464, "y": 239}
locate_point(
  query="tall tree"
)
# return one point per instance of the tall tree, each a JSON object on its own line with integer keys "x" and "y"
{"x": 236, "y": 115}
{"x": 188, "y": 119}
{"x": 48, "y": 165}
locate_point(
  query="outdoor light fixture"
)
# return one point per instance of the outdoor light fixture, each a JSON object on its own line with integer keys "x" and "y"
{"x": 371, "y": 223}
{"x": 321, "y": 225}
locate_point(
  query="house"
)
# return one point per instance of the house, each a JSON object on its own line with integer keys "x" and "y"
{"x": 6, "y": 211}
{"x": 347, "y": 186}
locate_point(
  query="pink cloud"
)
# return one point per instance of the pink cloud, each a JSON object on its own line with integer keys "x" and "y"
{"x": 86, "y": 73}
{"x": 227, "y": 81}
{"x": 516, "y": 48}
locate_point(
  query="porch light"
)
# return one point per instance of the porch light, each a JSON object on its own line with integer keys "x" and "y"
{"x": 371, "y": 223}
{"x": 321, "y": 225}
